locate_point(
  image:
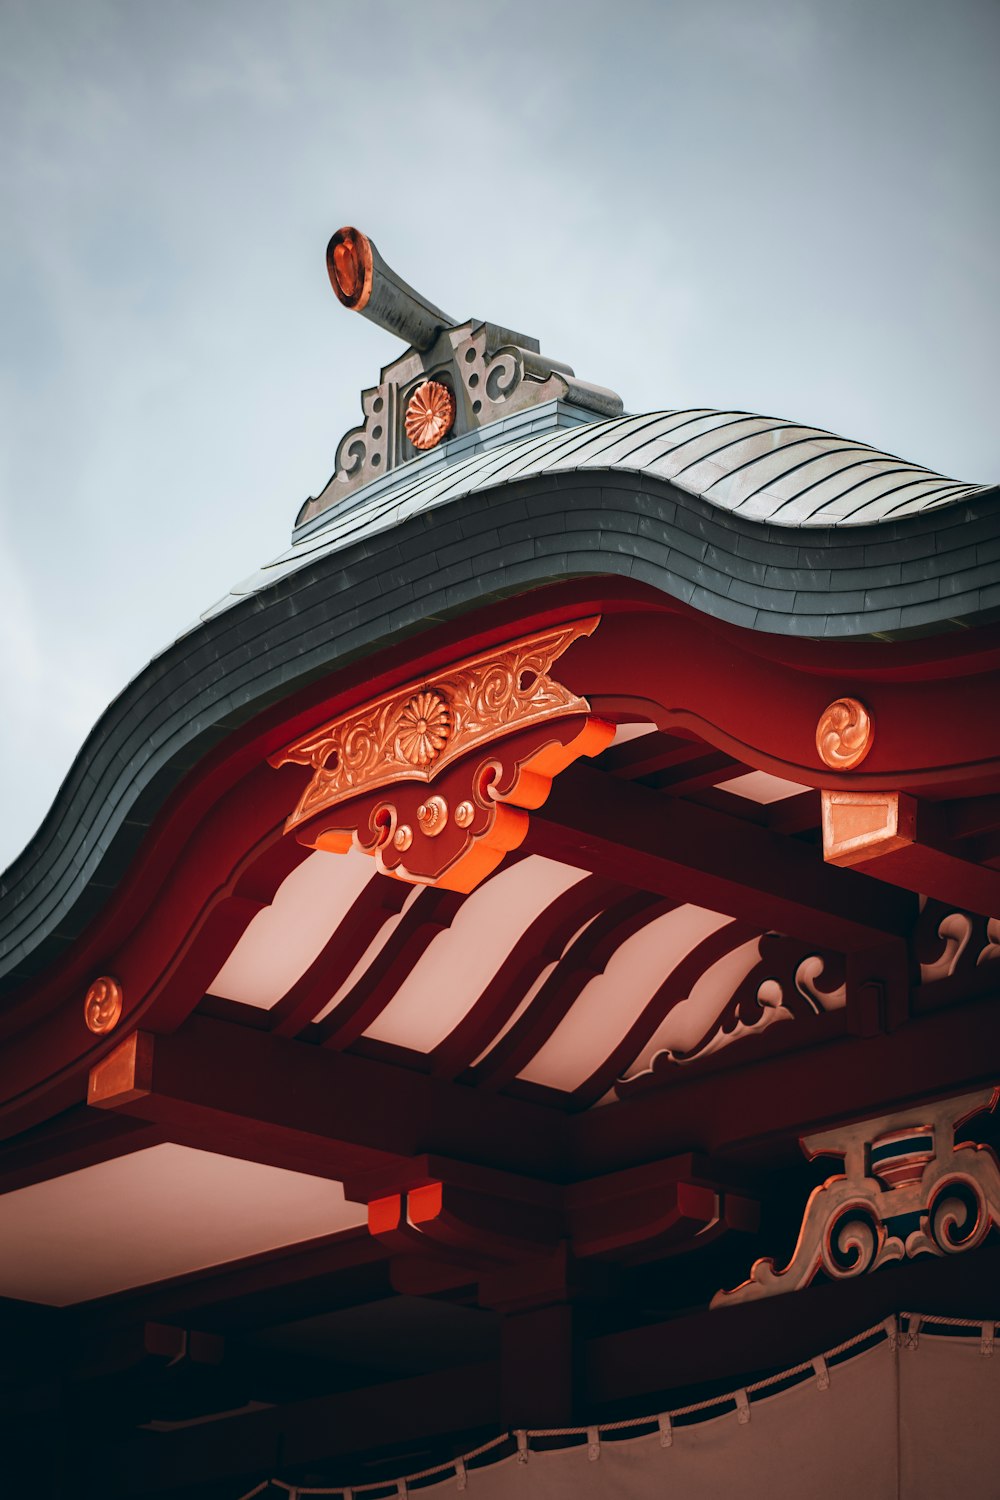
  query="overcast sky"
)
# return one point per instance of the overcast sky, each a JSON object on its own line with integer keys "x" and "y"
{"x": 789, "y": 208}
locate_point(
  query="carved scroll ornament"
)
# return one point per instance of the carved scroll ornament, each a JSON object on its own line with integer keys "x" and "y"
{"x": 784, "y": 983}
{"x": 371, "y": 767}
{"x": 844, "y": 734}
{"x": 906, "y": 1189}
{"x": 102, "y": 1005}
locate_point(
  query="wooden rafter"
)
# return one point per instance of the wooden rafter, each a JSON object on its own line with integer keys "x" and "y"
{"x": 677, "y": 849}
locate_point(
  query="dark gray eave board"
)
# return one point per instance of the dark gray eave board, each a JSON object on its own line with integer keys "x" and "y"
{"x": 914, "y": 575}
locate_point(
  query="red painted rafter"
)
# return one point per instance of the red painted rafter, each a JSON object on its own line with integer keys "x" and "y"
{"x": 695, "y": 775}
{"x": 740, "y": 1112}
{"x": 676, "y": 849}
{"x": 652, "y": 754}
{"x": 431, "y": 912}
{"x": 674, "y": 988}
{"x": 586, "y": 957}
{"x": 377, "y": 904}
{"x": 542, "y": 943}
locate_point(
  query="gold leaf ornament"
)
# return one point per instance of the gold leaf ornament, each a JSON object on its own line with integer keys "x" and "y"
{"x": 423, "y": 728}
{"x": 844, "y": 734}
{"x": 430, "y": 414}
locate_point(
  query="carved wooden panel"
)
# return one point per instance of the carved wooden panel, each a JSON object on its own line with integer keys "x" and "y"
{"x": 490, "y": 733}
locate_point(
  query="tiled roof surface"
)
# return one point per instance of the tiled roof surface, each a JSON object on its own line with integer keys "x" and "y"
{"x": 760, "y": 469}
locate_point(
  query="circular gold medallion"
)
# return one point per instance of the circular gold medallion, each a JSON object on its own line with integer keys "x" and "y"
{"x": 423, "y": 728}
{"x": 432, "y": 815}
{"x": 844, "y": 734}
{"x": 102, "y": 1007}
{"x": 430, "y": 414}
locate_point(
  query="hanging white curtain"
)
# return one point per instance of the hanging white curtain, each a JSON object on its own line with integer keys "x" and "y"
{"x": 908, "y": 1411}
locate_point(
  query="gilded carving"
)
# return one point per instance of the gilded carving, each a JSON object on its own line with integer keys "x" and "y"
{"x": 430, "y": 414}
{"x": 781, "y": 983}
{"x": 102, "y": 1006}
{"x": 844, "y": 734}
{"x": 860, "y": 826}
{"x": 416, "y": 732}
{"x": 424, "y": 726}
{"x": 432, "y": 816}
{"x": 412, "y": 836}
{"x": 992, "y": 949}
{"x": 906, "y": 1189}
{"x": 951, "y": 943}
{"x": 371, "y": 766}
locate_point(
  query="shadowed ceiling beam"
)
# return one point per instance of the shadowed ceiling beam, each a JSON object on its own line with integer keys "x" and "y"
{"x": 676, "y": 849}
{"x": 228, "y": 1088}
{"x": 414, "y": 1410}
{"x": 739, "y": 1113}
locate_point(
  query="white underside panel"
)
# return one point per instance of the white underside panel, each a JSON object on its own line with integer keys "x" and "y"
{"x": 157, "y": 1213}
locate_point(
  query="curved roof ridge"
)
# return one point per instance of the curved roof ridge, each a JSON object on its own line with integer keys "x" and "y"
{"x": 786, "y": 474}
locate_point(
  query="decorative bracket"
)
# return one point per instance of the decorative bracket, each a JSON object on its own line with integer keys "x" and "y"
{"x": 441, "y": 1209}
{"x": 372, "y": 766}
{"x": 906, "y": 1189}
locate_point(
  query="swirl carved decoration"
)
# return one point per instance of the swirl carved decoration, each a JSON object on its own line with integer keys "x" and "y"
{"x": 906, "y": 1189}
{"x": 784, "y": 983}
{"x": 844, "y": 734}
{"x": 951, "y": 944}
{"x": 102, "y": 1005}
{"x": 505, "y": 701}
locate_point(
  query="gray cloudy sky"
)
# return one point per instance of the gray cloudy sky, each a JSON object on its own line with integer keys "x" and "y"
{"x": 786, "y": 206}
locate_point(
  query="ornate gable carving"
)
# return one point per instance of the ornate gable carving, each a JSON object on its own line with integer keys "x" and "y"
{"x": 371, "y": 767}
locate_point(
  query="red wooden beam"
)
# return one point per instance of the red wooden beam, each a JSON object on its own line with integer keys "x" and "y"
{"x": 432, "y": 912}
{"x": 676, "y": 849}
{"x": 378, "y": 903}
{"x": 541, "y": 944}
{"x": 742, "y": 1112}
{"x": 246, "y": 1093}
{"x": 586, "y": 957}
{"x": 898, "y": 839}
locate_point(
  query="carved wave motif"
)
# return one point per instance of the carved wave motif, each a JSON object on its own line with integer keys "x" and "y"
{"x": 897, "y": 1168}
{"x": 779, "y": 983}
{"x": 954, "y": 943}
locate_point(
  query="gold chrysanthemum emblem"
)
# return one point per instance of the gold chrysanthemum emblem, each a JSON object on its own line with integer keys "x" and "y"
{"x": 424, "y": 726}
{"x": 430, "y": 414}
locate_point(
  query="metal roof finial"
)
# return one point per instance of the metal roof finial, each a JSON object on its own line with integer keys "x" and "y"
{"x": 364, "y": 283}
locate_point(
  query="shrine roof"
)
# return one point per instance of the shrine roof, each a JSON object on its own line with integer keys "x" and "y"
{"x": 532, "y": 479}
{"x": 757, "y": 520}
